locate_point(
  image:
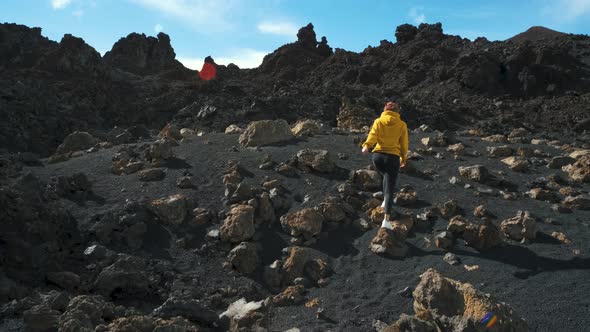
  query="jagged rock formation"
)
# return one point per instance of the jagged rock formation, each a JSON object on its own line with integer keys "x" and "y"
{"x": 50, "y": 89}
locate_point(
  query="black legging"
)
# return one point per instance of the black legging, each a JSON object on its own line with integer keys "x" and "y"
{"x": 388, "y": 166}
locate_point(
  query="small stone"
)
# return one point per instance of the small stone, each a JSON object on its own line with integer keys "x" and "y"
{"x": 451, "y": 259}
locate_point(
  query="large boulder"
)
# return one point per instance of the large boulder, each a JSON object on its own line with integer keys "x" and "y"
{"x": 317, "y": 160}
{"x": 306, "y": 128}
{"x": 580, "y": 170}
{"x": 479, "y": 236}
{"x": 522, "y": 226}
{"x": 477, "y": 173}
{"x": 306, "y": 222}
{"x": 171, "y": 210}
{"x": 76, "y": 141}
{"x": 463, "y": 305}
{"x": 389, "y": 242}
{"x": 266, "y": 132}
{"x": 244, "y": 257}
{"x": 238, "y": 226}
{"x": 367, "y": 180}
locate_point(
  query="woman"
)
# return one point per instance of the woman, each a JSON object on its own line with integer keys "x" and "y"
{"x": 389, "y": 137}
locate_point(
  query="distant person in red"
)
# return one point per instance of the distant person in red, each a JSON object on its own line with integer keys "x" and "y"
{"x": 208, "y": 71}
{"x": 388, "y": 140}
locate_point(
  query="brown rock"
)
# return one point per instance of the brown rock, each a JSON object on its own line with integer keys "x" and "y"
{"x": 580, "y": 170}
{"x": 238, "y": 226}
{"x": 495, "y": 139}
{"x": 449, "y": 209}
{"x": 317, "y": 160}
{"x": 436, "y": 296}
{"x": 405, "y": 197}
{"x": 152, "y": 174}
{"x": 481, "y": 237}
{"x": 456, "y": 148}
{"x": 367, "y": 180}
{"x": 519, "y": 227}
{"x": 244, "y": 257}
{"x": 543, "y": 195}
{"x": 475, "y": 173}
{"x": 581, "y": 202}
{"x": 266, "y": 132}
{"x": 500, "y": 151}
{"x": 516, "y": 164}
{"x": 172, "y": 210}
{"x": 561, "y": 237}
{"x": 306, "y": 128}
{"x": 390, "y": 242}
{"x": 292, "y": 295}
{"x": 307, "y": 222}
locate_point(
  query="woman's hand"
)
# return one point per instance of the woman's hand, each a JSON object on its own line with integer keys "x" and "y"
{"x": 402, "y": 165}
{"x": 365, "y": 150}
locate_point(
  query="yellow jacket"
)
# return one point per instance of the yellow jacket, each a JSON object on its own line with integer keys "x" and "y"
{"x": 389, "y": 134}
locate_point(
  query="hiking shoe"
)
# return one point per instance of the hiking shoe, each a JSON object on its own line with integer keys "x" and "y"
{"x": 386, "y": 224}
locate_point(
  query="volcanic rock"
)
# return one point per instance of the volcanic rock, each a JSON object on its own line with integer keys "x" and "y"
{"x": 561, "y": 237}
{"x": 516, "y": 164}
{"x": 389, "y": 242}
{"x": 66, "y": 280}
{"x": 456, "y": 148}
{"x": 306, "y": 222}
{"x": 306, "y": 128}
{"x": 449, "y": 209}
{"x": 367, "y": 180}
{"x": 437, "y": 296}
{"x": 152, "y": 174}
{"x": 76, "y": 141}
{"x": 171, "y": 210}
{"x": 317, "y": 160}
{"x": 519, "y": 227}
{"x": 405, "y": 197}
{"x": 444, "y": 240}
{"x": 543, "y": 195}
{"x": 238, "y": 225}
{"x": 500, "y": 151}
{"x": 244, "y": 257}
{"x": 477, "y": 173}
{"x": 580, "y": 170}
{"x": 292, "y": 295}
{"x": 266, "y": 132}
{"x": 481, "y": 237}
{"x": 233, "y": 129}
{"x": 560, "y": 161}
{"x": 580, "y": 202}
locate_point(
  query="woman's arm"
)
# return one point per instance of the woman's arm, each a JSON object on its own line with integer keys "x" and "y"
{"x": 404, "y": 145}
{"x": 372, "y": 138}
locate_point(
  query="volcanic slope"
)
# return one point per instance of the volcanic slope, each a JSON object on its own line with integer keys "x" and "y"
{"x": 150, "y": 263}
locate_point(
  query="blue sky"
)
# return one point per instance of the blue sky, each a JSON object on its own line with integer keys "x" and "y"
{"x": 243, "y": 31}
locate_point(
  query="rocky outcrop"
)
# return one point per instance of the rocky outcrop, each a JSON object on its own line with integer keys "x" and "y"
{"x": 266, "y": 132}
{"x": 143, "y": 55}
{"x": 455, "y": 306}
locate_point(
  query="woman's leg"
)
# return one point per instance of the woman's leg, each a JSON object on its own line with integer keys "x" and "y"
{"x": 391, "y": 177}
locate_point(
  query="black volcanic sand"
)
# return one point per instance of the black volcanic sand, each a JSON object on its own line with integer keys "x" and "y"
{"x": 545, "y": 282}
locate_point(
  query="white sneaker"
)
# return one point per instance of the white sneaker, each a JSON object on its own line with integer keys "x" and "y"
{"x": 386, "y": 224}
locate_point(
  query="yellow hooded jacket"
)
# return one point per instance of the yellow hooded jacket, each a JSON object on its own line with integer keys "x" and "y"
{"x": 389, "y": 134}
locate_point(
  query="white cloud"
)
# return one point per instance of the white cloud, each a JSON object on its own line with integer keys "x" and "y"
{"x": 213, "y": 15}
{"x": 568, "y": 10}
{"x": 278, "y": 28}
{"x": 243, "y": 58}
{"x": 417, "y": 15}
{"x": 158, "y": 28}
{"x": 60, "y": 4}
